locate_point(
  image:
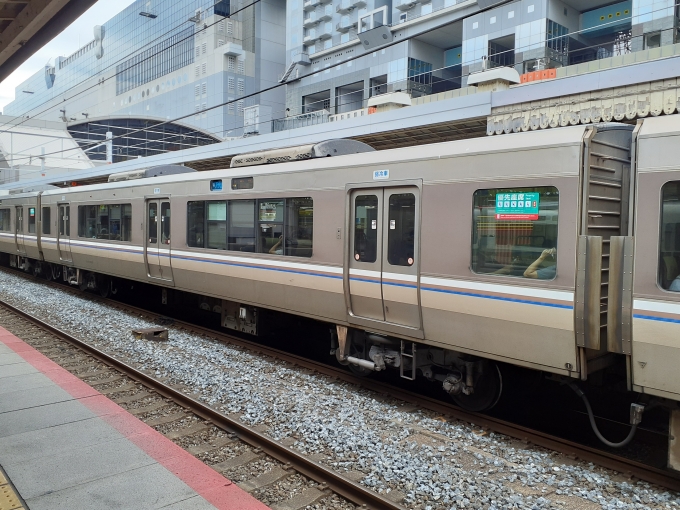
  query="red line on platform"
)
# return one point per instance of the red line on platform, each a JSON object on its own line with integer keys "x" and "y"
{"x": 207, "y": 482}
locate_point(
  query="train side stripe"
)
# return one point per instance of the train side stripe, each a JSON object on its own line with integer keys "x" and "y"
{"x": 498, "y": 298}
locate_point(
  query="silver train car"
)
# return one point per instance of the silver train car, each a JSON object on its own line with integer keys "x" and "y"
{"x": 554, "y": 250}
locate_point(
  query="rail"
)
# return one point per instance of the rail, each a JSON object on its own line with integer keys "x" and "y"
{"x": 345, "y": 487}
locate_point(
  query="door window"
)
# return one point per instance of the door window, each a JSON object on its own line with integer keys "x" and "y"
{"x": 401, "y": 229}
{"x": 62, "y": 215}
{"x": 67, "y": 221}
{"x": 153, "y": 222}
{"x": 165, "y": 222}
{"x": 365, "y": 228}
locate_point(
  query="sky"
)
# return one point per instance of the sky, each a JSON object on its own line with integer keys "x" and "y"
{"x": 67, "y": 42}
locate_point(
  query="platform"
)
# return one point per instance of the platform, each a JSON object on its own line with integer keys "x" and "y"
{"x": 64, "y": 445}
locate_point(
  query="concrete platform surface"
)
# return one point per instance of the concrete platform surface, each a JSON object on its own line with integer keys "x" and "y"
{"x": 64, "y": 445}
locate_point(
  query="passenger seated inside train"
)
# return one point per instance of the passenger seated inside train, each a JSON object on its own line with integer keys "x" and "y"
{"x": 542, "y": 273}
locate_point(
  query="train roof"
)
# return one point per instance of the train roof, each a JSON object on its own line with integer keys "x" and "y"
{"x": 564, "y": 136}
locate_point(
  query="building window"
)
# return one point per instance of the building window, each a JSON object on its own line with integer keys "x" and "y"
{"x": 220, "y": 42}
{"x": 197, "y": 90}
{"x": 373, "y": 19}
{"x": 514, "y": 232}
{"x": 204, "y": 88}
{"x": 241, "y": 67}
{"x": 204, "y": 48}
{"x": 165, "y": 57}
{"x": 231, "y": 63}
{"x": 230, "y": 83}
{"x": 204, "y": 107}
{"x": 220, "y": 26}
{"x": 239, "y": 107}
{"x": 204, "y": 68}
{"x": 198, "y": 51}
{"x": 197, "y": 71}
{"x": 231, "y": 105}
{"x": 241, "y": 86}
{"x": 230, "y": 28}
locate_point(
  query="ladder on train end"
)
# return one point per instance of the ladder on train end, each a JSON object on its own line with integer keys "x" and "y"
{"x": 406, "y": 354}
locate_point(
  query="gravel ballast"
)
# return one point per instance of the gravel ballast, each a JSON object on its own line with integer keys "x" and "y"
{"x": 422, "y": 460}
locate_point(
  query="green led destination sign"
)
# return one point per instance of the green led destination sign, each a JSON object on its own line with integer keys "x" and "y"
{"x": 517, "y": 206}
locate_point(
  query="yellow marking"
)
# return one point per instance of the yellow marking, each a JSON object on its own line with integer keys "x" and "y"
{"x": 8, "y": 498}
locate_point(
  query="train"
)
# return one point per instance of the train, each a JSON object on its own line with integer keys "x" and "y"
{"x": 555, "y": 250}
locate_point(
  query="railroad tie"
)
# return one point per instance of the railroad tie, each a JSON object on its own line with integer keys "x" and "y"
{"x": 132, "y": 398}
{"x": 99, "y": 382}
{"x": 189, "y": 431}
{"x": 242, "y": 459}
{"x": 305, "y": 498}
{"x": 166, "y": 419}
{"x": 118, "y": 389}
{"x": 264, "y": 479}
{"x": 207, "y": 447}
{"x": 147, "y": 409}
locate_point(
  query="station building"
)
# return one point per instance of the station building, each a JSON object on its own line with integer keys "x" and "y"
{"x": 451, "y": 39}
{"x": 159, "y": 60}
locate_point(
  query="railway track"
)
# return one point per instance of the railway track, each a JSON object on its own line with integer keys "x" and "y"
{"x": 290, "y": 458}
{"x": 185, "y": 420}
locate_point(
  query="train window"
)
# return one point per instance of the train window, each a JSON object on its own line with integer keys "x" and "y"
{"x": 242, "y": 183}
{"x": 5, "y": 225}
{"x": 196, "y": 224}
{"x": 152, "y": 221}
{"x": 217, "y": 225}
{"x": 127, "y": 223}
{"x": 111, "y": 222}
{"x": 298, "y": 231}
{"x": 401, "y": 231}
{"x": 514, "y": 232}
{"x": 46, "y": 220}
{"x": 165, "y": 222}
{"x": 31, "y": 220}
{"x": 366, "y": 228}
{"x": 242, "y": 225}
{"x": 270, "y": 216}
{"x": 669, "y": 253}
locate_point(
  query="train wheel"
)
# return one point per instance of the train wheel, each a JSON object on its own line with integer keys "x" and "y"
{"x": 358, "y": 349}
{"x": 103, "y": 285}
{"x": 55, "y": 271}
{"x": 488, "y": 389}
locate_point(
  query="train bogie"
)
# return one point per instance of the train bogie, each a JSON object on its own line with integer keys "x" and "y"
{"x": 556, "y": 250}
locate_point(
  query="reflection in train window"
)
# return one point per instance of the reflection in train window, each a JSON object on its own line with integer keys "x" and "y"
{"x": 280, "y": 226}
{"x": 196, "y": 224}
{"x": 31, "y": 220}
{"x": 299, "y": 220}
{"x": 401, "y": 231}
{"x": 46, "y": 221}
{"x": 111, "y": 222}
{"x": 669, "y": 253}
{"x": 270, "y": 217}
{"x": 514, "y": 232}
{"x": 242, "y": 225}
{"x": 5, "y": 220}
{"x": 365, "y": 228}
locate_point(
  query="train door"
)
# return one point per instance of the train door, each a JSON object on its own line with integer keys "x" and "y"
{"x": 382, "y": 277}
{"x": 64, "y": 233}
{"x": 19, "y": 229}
{"x": 157, "y": 248}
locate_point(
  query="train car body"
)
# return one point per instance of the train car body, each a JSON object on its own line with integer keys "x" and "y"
{"x": 555, "y": 250}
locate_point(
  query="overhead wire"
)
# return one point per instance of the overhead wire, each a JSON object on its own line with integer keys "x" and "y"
{"x": 339, "y": 63}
